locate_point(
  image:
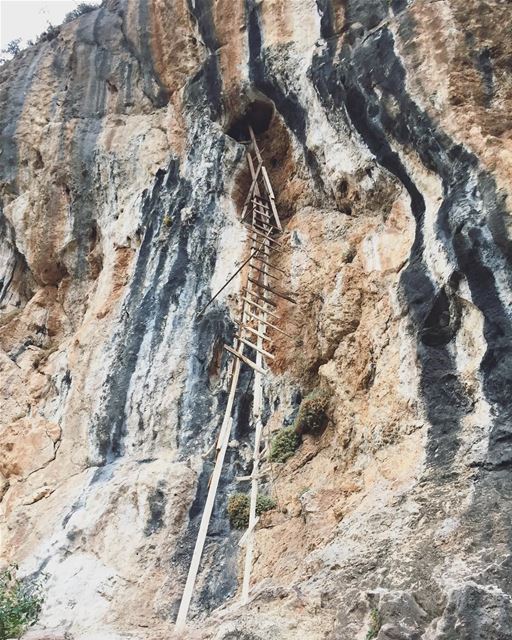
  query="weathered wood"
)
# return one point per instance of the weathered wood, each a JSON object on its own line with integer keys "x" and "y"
{"x": 203, "y": 530}
{"x": 268, "y": 186}
{"x": 255, "y": 145}
{"x": 246, "y": 327}
{"x": 272, "y": 266}
{"x": 256, "y": 348}
{"x": 272, "y": 326}
{"x": 243, "y": 539}
{"x": 260, "y": 296}
{"x": 260, "y": 203}
{"x": 270, "y": 275}
{"x": 255, "y": 245}
{"x": 271, "y": 227}
{"x": 250, "y": 363}
{"x": 255, "y": 304}
{"x": 262, "y": 235}
{"x": 274, "y": 291}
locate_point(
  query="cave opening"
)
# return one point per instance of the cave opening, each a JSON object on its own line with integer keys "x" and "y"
{"x": 258, "y": 115}
{"x": 276, "y": 148}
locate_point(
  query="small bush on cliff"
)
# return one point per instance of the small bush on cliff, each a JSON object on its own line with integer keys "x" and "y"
{"x": 312, "y": 416}
{"x": 284, "y": 444}
{"x": 11, "y": 50}
{"x": 20, "y": 604}
{"x": 83, "y": 7}
{"x": 50, "y": 34}
{"x": 264, "y": 503}
{"x": 375, "y": 624}
{"x": 239, "y": 506}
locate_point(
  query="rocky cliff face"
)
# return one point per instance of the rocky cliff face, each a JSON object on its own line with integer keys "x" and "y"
{"x": 389, "y": 149}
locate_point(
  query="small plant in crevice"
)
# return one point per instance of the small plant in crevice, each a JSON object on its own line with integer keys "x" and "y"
{"x": 375, "y": 624}
{"x": 284, "y": 444}
{"x": 312, "y": 416}
{"x": 239, "y": 506}
{"x": 20, "y": 603}
{"x": 167, "y": 221}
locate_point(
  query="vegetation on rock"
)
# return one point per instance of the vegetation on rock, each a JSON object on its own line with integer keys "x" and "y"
{"x": 312, "y": 416}
{"x": 11, "y": 50}
{"x": 238, "y": 508}
{"x": 20, "y": 604}
{"x": 375, "y": 624}
{"x": 83, "y": 7}
{"x": 284, "y": 444}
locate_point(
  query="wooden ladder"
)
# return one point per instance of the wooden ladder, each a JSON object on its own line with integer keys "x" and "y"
{"x": 252, "y": 346}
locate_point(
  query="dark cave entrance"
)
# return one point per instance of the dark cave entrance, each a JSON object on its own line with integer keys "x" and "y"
{"x": 258, "y": 114}
{"x": 275, "y": 145}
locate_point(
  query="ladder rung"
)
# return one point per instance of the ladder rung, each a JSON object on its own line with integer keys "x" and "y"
{"x": 244, "y": 359}
{"x": 263, "y": 235}
{"x": 260, "y": 296}
{"x": 255, "y": 347}
{"x": 265, "y": 273}
{"x": 257, "y": 200}
{"x": 271, "y": 228}
{"x": 269, "y": 324}
{"x": 270, "y": 265}
{"x": 258, "y": 245}
{"x": 255, "y": 304}
{"x": 246, "y": 327}
{"x": 260, "y": 212}
{"x": 273, "y": 291}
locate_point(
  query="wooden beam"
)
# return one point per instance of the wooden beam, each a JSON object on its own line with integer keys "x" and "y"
{"x": 266, "y": 179}
{"x": 255, "y": 304}
{"x": 273, "y": 267}
{"x": 274, "y": 248}
{"x": 258, "y": 233}
{"x": 256, "y": 348}
{"x": 246, "y": 327}
{"x": 244, "y": 359}
{"x": 270, "y": 275}
{"x": 260, "y": 296}
{"x": 274, "y": 291}
{"x": 272, "y": 326}
{"x": 271, "y": 227}
{"x": 243, "y": 539}
{"x": 260, "y": 203}
{"x": 255, "y": 145}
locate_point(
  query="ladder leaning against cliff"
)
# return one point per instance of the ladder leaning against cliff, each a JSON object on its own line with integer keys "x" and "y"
{"x": 257, "y": 318}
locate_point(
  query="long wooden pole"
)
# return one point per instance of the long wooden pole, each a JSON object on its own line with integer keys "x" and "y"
{"x": 257, "y": 413}
{"x": 210, "y": 500}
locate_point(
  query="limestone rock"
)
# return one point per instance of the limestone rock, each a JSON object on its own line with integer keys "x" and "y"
{"x": 388, "y": 143}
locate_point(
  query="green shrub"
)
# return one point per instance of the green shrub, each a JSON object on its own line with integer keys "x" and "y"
{"x": 239, "y": 507}
{"x": 264, "y": 503}
{"x": 284, "y": 444}
{"x": 312, "y": 416}
{"x": 375, "y": 624}
{"x": 83, "y": 7}
{"x": 20, "y": 604}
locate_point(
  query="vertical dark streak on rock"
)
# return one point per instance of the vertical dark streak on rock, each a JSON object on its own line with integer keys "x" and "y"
{"x": 439, "y": 381}
{"x": 209, "y": 76}
{"x": 286, "y": 101}
{"x": 462, "y": 217}
{"x": 17, "y": 93}
{"x": 324, "y": 9}
{"x": 153, "y": 86}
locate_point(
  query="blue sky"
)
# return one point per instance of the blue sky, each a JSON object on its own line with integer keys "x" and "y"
{"x": 26, "y": 19}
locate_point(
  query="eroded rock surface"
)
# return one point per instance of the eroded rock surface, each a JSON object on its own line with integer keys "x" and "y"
{"x": 390, "y": 150}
